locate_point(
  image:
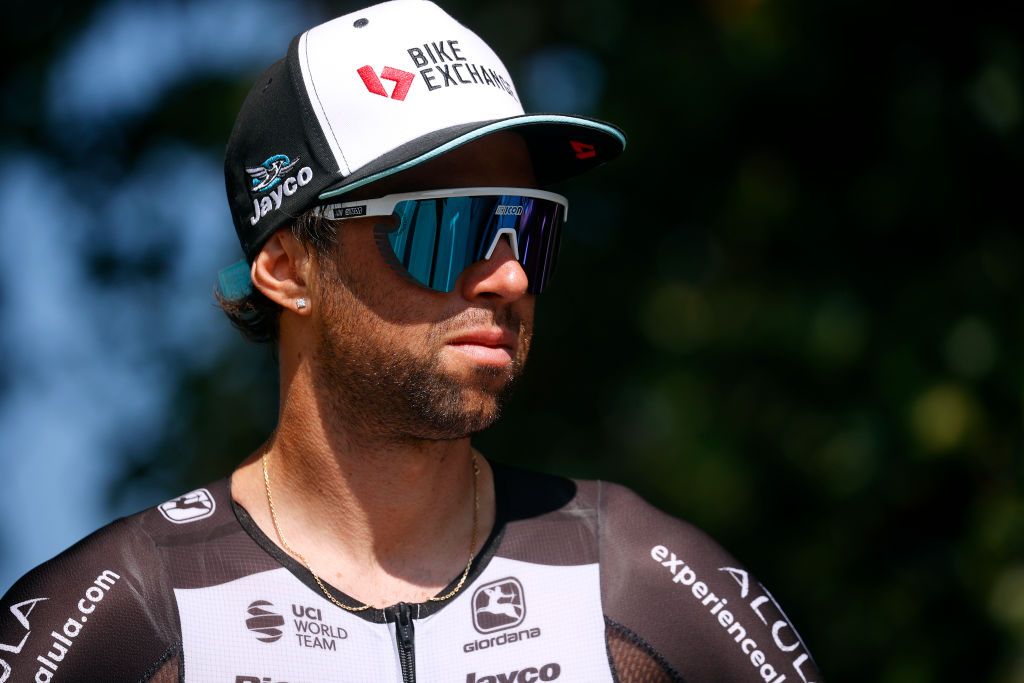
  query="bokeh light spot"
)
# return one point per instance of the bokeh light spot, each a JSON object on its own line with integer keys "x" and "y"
{"x": 838, "y": 331}
{"x": 849, "y": 460}
{"x": 971, "y": 348}
{"x": 997, "y": 98}
{"x": 940, "y": 418}
{"x": 677, "y": 318}
{"x": 1006, "y": 600}
{"x": 564, "y": 79}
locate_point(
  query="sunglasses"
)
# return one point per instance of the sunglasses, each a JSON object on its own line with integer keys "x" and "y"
{"x": 437, "y": 234}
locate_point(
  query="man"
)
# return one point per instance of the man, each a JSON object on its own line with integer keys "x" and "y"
{"x": 384, "y": 185}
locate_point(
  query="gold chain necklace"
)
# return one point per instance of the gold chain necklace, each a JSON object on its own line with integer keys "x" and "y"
{"x": 297, "y": 554}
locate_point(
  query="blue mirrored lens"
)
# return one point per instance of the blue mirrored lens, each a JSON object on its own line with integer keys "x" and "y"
{"x": 436, "y": 239}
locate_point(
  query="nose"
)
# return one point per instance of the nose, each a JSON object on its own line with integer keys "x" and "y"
{"x": 500, "y": 276}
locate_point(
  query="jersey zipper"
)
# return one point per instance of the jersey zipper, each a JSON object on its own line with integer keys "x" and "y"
{"x": 404, "y": 639}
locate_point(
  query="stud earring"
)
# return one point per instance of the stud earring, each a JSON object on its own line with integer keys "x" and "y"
{"x": 301, "y": 303}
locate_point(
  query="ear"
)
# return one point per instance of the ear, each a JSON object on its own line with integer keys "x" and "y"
{"x": 282, "y": 271}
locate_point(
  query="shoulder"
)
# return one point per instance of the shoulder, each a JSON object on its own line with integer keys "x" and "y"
{"x": 672, "y": 593}
{"x": 634, "y": 528}
{"x": 104, "y": 604}
{"x": 544, "y": 519}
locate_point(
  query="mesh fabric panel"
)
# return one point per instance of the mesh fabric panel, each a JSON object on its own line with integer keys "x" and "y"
{"x": 634, "y": 660}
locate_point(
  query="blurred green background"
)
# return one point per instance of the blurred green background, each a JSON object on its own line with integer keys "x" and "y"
{"x": 790, "y": 313}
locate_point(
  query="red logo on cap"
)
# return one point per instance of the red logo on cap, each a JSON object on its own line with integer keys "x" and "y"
{"x": 402, "y": 79}
{"x": 583, "y": 150}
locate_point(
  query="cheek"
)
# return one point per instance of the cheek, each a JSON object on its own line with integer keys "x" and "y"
{"x": 372, "y": 316}
{"x": 524, "y": 310}
{"x": 379, "y": 287}
{"x": 526, "y": 338}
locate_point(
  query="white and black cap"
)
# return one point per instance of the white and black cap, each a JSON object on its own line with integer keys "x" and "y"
{"x": 373, "y": 93}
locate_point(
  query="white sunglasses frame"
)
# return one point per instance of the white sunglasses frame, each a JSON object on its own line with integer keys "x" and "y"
{"x": 385, "y": 206}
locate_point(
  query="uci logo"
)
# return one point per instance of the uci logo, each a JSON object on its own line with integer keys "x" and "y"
{"x": 498, "y": 605}
{"x": 265, "y": 623}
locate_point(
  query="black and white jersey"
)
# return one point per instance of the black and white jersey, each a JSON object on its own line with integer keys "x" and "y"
{"x": 580, "y": 581}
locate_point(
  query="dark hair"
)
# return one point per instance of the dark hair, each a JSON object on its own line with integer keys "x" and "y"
{"x": 256, "y": 316}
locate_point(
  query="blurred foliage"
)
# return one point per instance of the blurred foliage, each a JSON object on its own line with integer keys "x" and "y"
{"x": 790, "y": 313}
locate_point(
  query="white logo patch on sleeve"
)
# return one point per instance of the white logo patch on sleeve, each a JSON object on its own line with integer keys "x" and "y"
{"x": 190, "y": 507}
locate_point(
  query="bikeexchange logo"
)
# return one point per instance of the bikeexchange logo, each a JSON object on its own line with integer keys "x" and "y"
{"x": 499, "y": 606}
{"x": 440, "y": 64}
{"x": 272, "y": 179}
{"x": 191, "y": 507}
{"x": 401, "y": 79}
{"x": 310, "y": 629}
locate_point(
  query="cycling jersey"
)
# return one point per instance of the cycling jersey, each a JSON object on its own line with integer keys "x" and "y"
{"x": 580, "y": 581}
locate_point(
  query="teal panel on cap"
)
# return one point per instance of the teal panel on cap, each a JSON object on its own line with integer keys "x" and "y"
{"x": 234, "y": 282}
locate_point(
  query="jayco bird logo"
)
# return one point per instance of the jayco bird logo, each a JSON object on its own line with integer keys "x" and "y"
{"x": 270, "y": 173}
{"x": 274, "y": 180}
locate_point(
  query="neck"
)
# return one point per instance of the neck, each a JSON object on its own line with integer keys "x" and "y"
{"x": 383, "y": 519}
{"x": 373, "y": 497}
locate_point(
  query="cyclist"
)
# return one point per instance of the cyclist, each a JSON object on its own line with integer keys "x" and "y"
{"x": 385, "y": 185}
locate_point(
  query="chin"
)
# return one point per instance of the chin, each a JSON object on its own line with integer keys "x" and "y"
{"x": 481, "y": 407}
{"x": 473, "y": 411}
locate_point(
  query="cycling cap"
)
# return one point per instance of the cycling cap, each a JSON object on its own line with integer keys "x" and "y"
{"x": 376, "y": 92}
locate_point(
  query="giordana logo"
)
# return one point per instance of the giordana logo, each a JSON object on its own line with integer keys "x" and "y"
{"x": 530, "y": 674}
{"x": 191, "y": 507}
{"x": 498, "y": 605}
{"x": 265, "y": 623}
{"x": 508, "y": 210}
{"x": 272, "y": 179}
{"x": 20, "y": 611}
{"x": 402, "y": 80}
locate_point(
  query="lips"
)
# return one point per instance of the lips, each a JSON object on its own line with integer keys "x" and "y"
{"x": 493, "y": 337}
{"x": 491, "y": 346}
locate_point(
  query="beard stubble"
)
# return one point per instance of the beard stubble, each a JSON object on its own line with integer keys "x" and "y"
{"x": 381, "y": 389}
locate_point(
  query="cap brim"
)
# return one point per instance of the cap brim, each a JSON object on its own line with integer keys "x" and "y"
{"x": 560, "y": 146}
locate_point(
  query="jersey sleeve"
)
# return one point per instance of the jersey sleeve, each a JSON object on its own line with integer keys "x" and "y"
{"x": 677, "y": 603}
{"x": 91, "y": 613}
